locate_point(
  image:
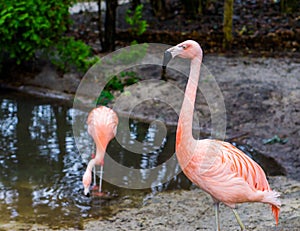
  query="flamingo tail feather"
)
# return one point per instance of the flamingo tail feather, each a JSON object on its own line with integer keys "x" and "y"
{"x": 272, "y": 198}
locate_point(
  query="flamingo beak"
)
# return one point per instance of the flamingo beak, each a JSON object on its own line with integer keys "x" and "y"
{"x": 167, "y": 57}
{"x": 86, "y": 191}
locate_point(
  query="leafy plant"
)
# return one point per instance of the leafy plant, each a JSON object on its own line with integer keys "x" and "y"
{"x": 28, "y": 27}
{"x": 275, "y": 139}
{"x": 117, "y": 83}
{"x": 130, "y": 54}
{"x": 134, "y": 19}
{"x": 69, "y": 53}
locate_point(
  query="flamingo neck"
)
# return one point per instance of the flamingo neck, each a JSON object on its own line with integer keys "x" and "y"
{"x": 101, "y": 145}
{"x": 185, "y": 123}
{"x": 90, "y": 165}
{"x": 98, "y": 159}
{"x": 100, "y": 152}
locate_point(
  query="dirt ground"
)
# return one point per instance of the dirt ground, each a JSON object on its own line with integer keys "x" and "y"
{"x": 262, "y": 98}
{"x": 193, "y": 210}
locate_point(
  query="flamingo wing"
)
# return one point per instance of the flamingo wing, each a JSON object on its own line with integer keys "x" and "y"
{"x": 226, "y": 173}
{"x": 244, "y": 166}
{"x": 251, "y": 172}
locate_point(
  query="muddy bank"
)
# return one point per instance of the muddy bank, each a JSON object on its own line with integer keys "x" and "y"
{"x": 190, "y": 210}
{"x": 193, "y": 210}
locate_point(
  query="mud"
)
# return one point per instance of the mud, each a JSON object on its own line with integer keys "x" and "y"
{"x": 193, "y": 210}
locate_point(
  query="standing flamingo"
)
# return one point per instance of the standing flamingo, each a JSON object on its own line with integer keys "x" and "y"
{"x": 102, "y": 126}
{"x": 217, "y": 167}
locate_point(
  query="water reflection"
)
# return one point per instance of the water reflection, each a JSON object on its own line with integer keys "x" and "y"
{"x": 39, "y": 164}
{"x": 41, "y": 169}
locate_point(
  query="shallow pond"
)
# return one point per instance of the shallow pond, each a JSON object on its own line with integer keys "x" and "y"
{"x": 41, "y": 168}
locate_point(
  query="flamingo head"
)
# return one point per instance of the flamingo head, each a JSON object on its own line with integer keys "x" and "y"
{"x": 188, "y": 49}
{"x": 86, "y": 181}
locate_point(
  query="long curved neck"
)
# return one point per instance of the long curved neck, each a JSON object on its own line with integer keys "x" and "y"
{"x": 98, "y": 159}
{"x": 185, "y": 123}
{"x": 101, "y": 145}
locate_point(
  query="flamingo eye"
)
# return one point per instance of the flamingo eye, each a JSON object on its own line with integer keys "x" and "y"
{"x": 184, "y": 46}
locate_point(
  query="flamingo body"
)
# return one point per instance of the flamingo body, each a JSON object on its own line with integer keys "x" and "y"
{"x": 102, "y": 126}
{"x": 217, "y": 167}
{"x": 228, "y": 175}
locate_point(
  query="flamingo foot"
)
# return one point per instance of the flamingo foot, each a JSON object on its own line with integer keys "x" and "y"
{"x": 99, "y": 194}
{"x": 95, "y": 188}
{"x": 104, "y": 195}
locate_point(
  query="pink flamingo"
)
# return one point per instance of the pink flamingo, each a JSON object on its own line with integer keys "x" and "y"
{"x": 102, "y": 126}
{"x": 217, "y": 167}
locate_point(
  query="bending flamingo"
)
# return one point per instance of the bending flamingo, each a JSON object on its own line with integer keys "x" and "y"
{"x": 102, "y": 126}
{"x": 217, "y": 167}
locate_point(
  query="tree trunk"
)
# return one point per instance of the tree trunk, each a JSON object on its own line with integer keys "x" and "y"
{"x": 289, "y": 6}
{"x": 159, "y": 8}
{"x": 135, "y": 3}
{"x": 110, "y": 25}
{"x": 227, "y": 26}
{"x": 100, "y": 24}
{"x": 192, "y": 7}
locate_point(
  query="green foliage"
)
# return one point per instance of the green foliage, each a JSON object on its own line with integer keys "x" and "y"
{"x": 69, "y": 53}
{"x": 130, "y": 54}
{"x": 117, "y": 83}
{"x": 134, "y": 19}
{"x": 275, "y": 139}
{"x": 105, "y": 97}
{"x": 28, "y": 26}
{"x": 125, "y": 57}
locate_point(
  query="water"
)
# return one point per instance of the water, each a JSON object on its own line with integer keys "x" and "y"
{"x": 41, "y": 168}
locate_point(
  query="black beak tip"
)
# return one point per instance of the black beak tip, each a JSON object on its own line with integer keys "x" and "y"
{"x": 166, "y": 60}
{"x": 87, "y": 195}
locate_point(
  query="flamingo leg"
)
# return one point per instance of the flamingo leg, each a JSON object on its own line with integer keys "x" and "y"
{"x": 238, "y": 219}
{"x": 94, "y": 178}
{"x": 94, "y": 174}
{"x": 216, "y": 205}
{"x": 100, "y": 180}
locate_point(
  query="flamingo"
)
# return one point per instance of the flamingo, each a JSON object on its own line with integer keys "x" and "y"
{"x": 217, "y": 167}
{"x": 102, "y": 126}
